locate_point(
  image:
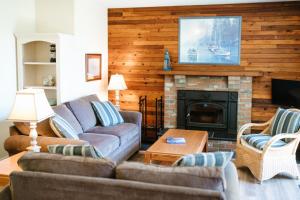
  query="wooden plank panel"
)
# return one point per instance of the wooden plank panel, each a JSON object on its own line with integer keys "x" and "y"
{"x": 139, "y": 36}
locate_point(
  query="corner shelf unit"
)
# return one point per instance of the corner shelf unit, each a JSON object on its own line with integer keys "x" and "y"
{"x": 34, "y": 64}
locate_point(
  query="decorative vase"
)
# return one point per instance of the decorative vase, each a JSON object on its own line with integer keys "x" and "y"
{"x": 52, "y": 53}
{"x": 167, "y": 61}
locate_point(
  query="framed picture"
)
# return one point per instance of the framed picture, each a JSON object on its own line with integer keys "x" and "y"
{"x": 210, "y": 40}
{"x": 92, "y": 67}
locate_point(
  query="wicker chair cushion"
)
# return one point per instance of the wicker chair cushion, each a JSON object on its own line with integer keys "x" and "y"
{"x": 259, "y": 141}
{"x": 285, "y": 121}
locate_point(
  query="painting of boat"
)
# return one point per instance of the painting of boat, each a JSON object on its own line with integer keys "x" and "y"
{"x": 210, "y": 40}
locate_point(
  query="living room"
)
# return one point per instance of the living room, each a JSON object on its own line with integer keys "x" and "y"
{"x": 219, "y": 78}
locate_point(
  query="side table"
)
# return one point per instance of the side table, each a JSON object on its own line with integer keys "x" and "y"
{"x": 7, "y": 166}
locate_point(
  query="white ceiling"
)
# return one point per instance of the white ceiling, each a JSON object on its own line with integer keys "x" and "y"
{"x": 155, "y": 3}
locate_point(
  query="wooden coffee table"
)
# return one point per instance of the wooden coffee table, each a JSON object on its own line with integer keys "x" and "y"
{"x": 196, "y": 142}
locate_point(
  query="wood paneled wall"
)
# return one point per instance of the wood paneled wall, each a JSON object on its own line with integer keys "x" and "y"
{"x": 270, "y": 44}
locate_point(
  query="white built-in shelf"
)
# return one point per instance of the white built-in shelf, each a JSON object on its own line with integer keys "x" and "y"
{"x": 41, "y": 87}
{"x": 40, "y": 63}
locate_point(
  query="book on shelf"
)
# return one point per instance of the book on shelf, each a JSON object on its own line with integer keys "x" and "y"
{"x": 175, "y": 140}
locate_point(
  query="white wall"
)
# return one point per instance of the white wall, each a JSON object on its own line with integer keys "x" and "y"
{"x": 15, "y": 16}
{"x": 91, "y": 31}
{"x": 54, "y": 16}
{"x": 87, "y": 21}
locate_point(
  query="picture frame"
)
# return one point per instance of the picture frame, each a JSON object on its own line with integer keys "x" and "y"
{"x": 209, "y": 40}
{"x": 93, "y": 67}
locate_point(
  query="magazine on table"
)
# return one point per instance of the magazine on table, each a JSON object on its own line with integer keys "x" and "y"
{"x": 176, "y": 140}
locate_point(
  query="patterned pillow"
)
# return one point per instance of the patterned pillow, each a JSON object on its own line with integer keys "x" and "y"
{"x": 214, "y": 159}
{"x": 107, "y": 114}
{"x": 285, "y": 121}
{"x": 62, "y": 128}
{"x": 75, "y": 150}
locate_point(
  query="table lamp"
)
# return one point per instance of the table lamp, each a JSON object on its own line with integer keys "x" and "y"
{"x": 31, "y": 106}
{"x": 117, "y": 83}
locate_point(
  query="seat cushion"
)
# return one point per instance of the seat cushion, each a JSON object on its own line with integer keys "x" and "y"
{"x": 106, "y": 144}
{"x": 84, "y": 112}
{"x": 107, "y": 114}
{"x": 259, "y": 141}
{"x": 285, "y": 121}
{"x": 125, "y": 132}
{"x": 67, "y": 114}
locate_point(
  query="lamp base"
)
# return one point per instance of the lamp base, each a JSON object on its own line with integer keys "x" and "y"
{"x": 33, "y": 134}
{"x": 117, "y": 105}
{"x": 35, "y": 149}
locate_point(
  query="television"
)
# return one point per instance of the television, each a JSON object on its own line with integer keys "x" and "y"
{"x": 286, "y": 93}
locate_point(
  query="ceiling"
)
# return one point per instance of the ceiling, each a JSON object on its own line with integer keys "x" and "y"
{"x": 156, "y": 3}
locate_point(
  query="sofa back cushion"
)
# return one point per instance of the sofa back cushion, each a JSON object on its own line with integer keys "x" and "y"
{"x": 197, "y": 177}
{"x": 67, "y": 115}
{"x": 83, "y": 111}
{"x": 73, "y": 165}
{"x": 107, "y": 114}
{"x": 43, "y": 128}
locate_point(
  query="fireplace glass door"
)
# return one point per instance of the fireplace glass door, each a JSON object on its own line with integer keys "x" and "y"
{"x": 201, "y": 113}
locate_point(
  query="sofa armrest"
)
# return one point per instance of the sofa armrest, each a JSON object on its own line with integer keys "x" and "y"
{"x": 132, "y": 117}
{"x": 18, "y": 143}
{"x": 5, "y": 193}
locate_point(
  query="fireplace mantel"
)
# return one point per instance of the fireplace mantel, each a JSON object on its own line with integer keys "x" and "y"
{"x": 212, "y": 73}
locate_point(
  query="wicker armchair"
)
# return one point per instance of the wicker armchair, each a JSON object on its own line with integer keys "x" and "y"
{"x": 270, "y": 161}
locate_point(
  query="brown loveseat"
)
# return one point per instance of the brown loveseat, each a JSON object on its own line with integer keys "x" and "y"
{"x": 52, "y": 177}
{"x": 117, "y": 142}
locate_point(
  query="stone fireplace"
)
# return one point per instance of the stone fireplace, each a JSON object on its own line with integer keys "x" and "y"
{"x": 240, "y": 85}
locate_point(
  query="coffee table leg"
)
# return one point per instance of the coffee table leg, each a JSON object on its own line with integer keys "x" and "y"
{"x": 147, "y": 159}
{"x": 206, "y": 147}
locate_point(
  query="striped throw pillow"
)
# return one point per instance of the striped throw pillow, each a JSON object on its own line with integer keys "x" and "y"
{"x": 285, "y": 121}
{"x": 214, "y": 159}
{"x": 75, "y": 150}
{"x": 62, "y": 128}
{"x": 107, "y": 114}
{"x": 259, "y": 141}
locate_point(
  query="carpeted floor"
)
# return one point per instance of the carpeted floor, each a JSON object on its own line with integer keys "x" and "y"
{"x": 277, "y": 188}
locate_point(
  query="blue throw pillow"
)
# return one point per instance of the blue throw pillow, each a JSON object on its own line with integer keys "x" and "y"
{"x": 62, "y": 128}
{"x": 213, "y": 159}
{"x": 107, "y": 114}
{"x": 75, "y": 150}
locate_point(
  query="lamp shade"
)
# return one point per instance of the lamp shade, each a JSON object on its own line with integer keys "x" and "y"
{"x": 117, "y": 82}
{"x": 31, "y": 105}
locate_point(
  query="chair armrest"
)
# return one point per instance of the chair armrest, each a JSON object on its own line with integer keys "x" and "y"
{"x": 5, "y": 193}
{"x": 18, "y": 143}
{"x": 279, "y": 137}
{"x": 249, "y": 125}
